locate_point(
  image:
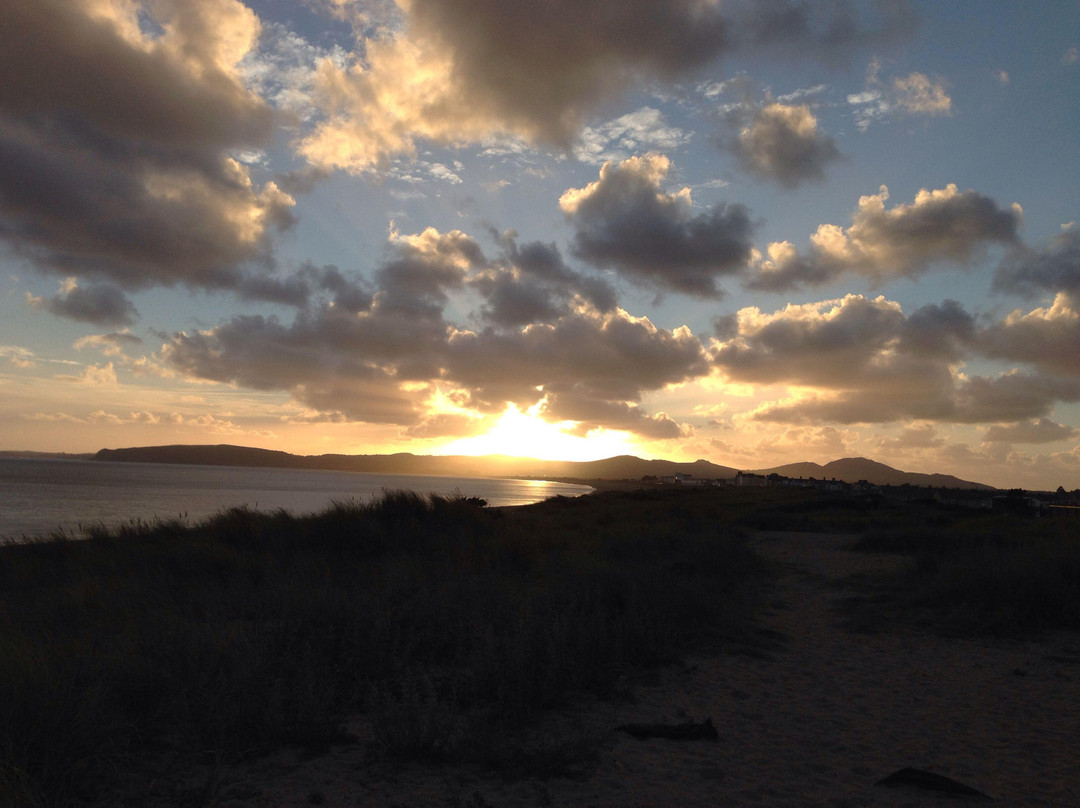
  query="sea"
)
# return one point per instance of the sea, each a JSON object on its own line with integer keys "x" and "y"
{"x": 41, "y": 497}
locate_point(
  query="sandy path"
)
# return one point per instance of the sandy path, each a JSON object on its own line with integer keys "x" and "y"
{"x": 816, "y": 724}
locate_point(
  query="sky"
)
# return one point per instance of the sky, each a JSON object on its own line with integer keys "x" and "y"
{"x": 750, "y": 232}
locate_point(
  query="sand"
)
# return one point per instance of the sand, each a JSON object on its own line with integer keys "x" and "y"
{"x": 816, "y": 722}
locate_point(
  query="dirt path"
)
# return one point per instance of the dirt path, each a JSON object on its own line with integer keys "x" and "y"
{"x": 816, "y": 723}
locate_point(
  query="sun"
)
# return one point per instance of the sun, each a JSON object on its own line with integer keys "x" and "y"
{"x": 525, "y": 434}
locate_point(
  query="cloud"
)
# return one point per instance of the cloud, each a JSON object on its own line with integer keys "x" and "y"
{"x": 94, "y": 376}
{"x": 384, "y": 363}
{"x": 112, "y": 344}
{"x": 832, "y": 342}
{"x": 978, "y": 400}
{"x": 943, "y": 225}
{"x": 464, "y": 71}
{"x": 1055, "y": 269}
{"x": 626, "y": 221}
{"x": 426, "y": 267}
{"x": 116, "y": 143}
{"x": 448, "y": 425}
{"x": 1047, "y": 338}
{"x": 18, "y": 356}
{"x": 828, "y": 31}
{"x": 592, "y": 413}
{"x": 914, "y": 94}
{"x": 532, "y": 284}
{"x": 856, "y": 360}
{"x": 783, "y": 143}
{"x": 99, "y": 303}
{"x": 1042, "y": 430}
{"x": 457, "y": 71}
{"x": 822, "y": 441}
{"x": 945, "y": 331}
{"x": 613, "y": 357}
{"x": 923, "y": 436}
{"x": 640, "y": 131}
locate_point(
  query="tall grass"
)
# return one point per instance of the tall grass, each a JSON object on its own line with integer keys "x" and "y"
{"x": 133, "y": 652}
{"x": 990, "y": 574}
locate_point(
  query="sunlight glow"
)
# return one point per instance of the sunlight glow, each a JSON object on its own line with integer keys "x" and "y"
{"x": 524, "y": 434}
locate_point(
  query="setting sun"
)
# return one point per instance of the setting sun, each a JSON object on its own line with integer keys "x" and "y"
{"x": 525, "y": 434}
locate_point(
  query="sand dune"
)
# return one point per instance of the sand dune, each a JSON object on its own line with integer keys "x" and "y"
{"x": 816, "y": 723}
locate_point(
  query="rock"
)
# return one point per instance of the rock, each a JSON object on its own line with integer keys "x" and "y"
{"x": 931, "y": 782}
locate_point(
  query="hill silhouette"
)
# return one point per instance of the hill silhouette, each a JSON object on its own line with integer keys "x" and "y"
{"x": 622, "y": 467}
{"x": 853, "y": 469}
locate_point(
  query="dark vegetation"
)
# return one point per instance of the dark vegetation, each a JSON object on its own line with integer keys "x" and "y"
{"x": 133, "y": 653}
{"x": 982, "y": 573}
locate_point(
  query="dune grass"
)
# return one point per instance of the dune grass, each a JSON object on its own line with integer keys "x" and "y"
{"x": 138, "y": 651}
{"x": 992, "y": 574}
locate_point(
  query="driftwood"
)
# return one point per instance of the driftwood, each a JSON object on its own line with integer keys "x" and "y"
{"x": 705, "y": 731}
{"x": 931, "y": 782}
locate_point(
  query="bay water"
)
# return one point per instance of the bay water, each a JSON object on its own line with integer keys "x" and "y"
{"x": 39, "y": 497}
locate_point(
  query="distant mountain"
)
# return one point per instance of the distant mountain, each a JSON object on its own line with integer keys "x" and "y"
{"x": 853, "y": 469}
{"x": 623, "y": 467}
{"x": 27, "y": 455}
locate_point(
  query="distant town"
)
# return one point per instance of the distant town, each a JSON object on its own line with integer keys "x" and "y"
{"x": 1039, "y": 503}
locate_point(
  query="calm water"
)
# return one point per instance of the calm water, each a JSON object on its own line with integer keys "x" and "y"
{"x": 39, "y": 496}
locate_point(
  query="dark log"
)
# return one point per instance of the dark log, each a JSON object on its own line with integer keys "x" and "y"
{"x": 705, "y": 731}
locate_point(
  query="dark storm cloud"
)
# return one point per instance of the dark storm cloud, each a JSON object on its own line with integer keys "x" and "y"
{"x": 99, "y": 303}
{"x": 1041, "y": 431}
{"x": 1055, "y": 269}
{"x": 626, "y": 221}
{"x": 115, "y": 146}
{"x": 783, "y": 143}
{"x": 904, "y": 241}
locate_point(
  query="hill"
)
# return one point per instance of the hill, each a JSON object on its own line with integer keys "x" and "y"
{"x": 853, "y": 469}
{"x": 622, "y": 467}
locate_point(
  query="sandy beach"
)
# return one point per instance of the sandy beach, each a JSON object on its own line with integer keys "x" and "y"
{"x": 816, "y": 721}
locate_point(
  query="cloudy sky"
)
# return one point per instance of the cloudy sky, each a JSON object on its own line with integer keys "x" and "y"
{"x": 751, "y": 232}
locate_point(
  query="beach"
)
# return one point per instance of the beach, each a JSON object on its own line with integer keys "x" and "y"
{"x": 815, "y": 718}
